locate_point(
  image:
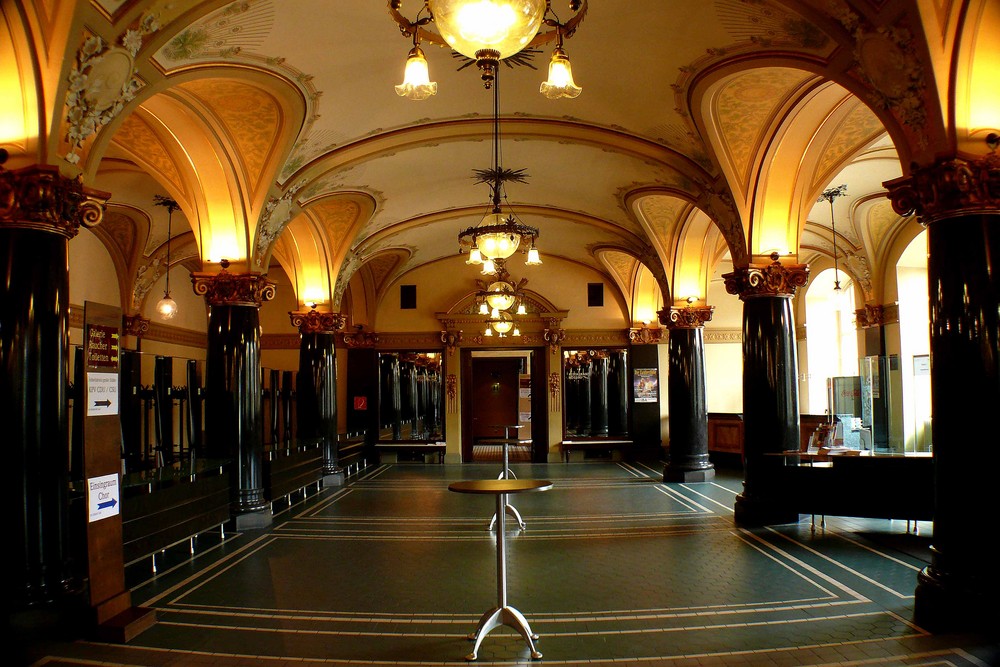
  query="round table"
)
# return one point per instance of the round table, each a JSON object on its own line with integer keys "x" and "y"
{"x": 502, "y": 613}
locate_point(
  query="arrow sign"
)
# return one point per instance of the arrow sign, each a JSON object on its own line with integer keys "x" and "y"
{"x": 105, "y": 403}
{"x": 102, "y": 394}
{"x": 102, "y": 497}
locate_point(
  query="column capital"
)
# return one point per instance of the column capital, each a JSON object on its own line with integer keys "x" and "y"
{"x": 949, "y": 188}
{"x": 233, "y": 289}
{"x": 875, "y": 315}
{"x": 135, "y": 325}
{"x": 645, "y": 335}
{"x": 686, "y": 317}
{"x": 361, "y": 338}
{"x": 774, "y": 279}
{"x": 39, "y": 197}
{"x": 316, "y": 322}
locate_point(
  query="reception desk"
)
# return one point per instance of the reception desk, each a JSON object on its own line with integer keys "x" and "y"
{"x": 861, "y": 484}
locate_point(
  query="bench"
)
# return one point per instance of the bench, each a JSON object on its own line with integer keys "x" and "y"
{"x": 569, "y": 446}
{"x": 422, "y": 448}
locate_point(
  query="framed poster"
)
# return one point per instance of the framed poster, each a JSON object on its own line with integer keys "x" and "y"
{"x": 645, "y": 387}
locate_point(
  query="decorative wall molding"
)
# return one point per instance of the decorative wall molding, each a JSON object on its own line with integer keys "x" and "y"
{"x": 645, "y": 336}
{"x": 135, "y": 325}
{"x": 280, "y": 341}
{"x": 162, "y": 333}
{"x": 713, "y": 335}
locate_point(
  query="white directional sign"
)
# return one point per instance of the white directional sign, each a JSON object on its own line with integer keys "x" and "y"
{"x": 103, "y": 498}
{"x": 102, "y": 394}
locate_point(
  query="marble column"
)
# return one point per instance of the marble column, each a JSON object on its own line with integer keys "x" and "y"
{"x": 770, "y": 384}
{"x": 688, "y": 408}
{"x": 959, "y": 202}
{"x": 233, "y": 402}
{"x": 316, "y": 385}
{"x": 40, "y": 211}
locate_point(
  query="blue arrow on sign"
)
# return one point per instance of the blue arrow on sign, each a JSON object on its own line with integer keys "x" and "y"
{"x": 106, "y": 504}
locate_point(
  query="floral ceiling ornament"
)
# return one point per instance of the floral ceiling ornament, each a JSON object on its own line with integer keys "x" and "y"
{"x": 102, "y": 82}
{"x": 277, "y": 212}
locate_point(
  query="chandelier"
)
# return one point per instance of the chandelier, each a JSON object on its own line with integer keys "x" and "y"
{"x": 499, "y": 234}
{"x": 488, "y": 31}
{"x": 166, "y": 307}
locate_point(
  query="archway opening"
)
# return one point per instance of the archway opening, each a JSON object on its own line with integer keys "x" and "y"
{"x": 914, "y": 345}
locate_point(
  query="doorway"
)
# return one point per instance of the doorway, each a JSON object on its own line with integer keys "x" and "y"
{"x": 497, "y": 400}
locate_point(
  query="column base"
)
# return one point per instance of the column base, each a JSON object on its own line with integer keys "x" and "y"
{"x": 756, "y": 511}
{"x": 334, "y": 478}
{"x": 678, "y": 474}
{"x": 944, "y": 603}
{"x": 253, "y": 520}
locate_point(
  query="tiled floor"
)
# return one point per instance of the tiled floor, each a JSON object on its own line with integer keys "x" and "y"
{"x": 613, "y": 567}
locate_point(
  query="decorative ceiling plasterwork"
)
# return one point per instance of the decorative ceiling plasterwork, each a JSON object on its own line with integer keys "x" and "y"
{"x": 277, "y": 212}
{"x": 382, "y": 265}
{"x": 857, "y": 130}
{"x": 745, "y": 106}
{"x": 151, "y": 268}
{"x": 622, "y": 266}
{"x": 101, "y": 83}
{"x": 888, "y": 61}
{"x": 662, "y": 214}
{"x": 880, "y": 220}
{"x": 336, "y": 217}
{"x": 236, "y": 33}
{"x": 137, "y": 137}
{"x": 250, "y": 116}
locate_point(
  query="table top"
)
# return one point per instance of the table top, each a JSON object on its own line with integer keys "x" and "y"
{"x": 496, "y": 486}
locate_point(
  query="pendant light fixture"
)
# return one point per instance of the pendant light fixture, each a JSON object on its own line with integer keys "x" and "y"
{"x": 829, "y": 195}
{"x": 486, "y": 32}
{"x": 499, "y": 234}
{"x": 167, "y": 307}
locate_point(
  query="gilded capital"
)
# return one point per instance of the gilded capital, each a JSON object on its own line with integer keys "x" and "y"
{"x": 686, "y": 317}
{"x": 135, "y": 325}
{"x": 949, "y": 188}
{"x": 774, "y": 279}
{"x": 361, "y": 338}
{"x": 233, "y": 289}
{"x": 39, "y": 197}
{"x": 645, "y": 336}
{"x": 871, "y": 315}
{"x": 314, "y": 321}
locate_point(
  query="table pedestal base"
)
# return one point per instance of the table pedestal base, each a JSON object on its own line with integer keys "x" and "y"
{"x": 510, "y": 617}
{"x": 511, "y": 510}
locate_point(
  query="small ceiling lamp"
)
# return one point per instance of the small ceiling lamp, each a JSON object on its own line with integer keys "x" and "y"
{"x": 502, "y": 324}
{"x": 829, "y": 195}
{"x": 560, "y": 82}
{"x": 488, "y": 31}
{"x": 499, "y": 234}
{"x": 417, "y": 84}
{"x": 166, "y": 307}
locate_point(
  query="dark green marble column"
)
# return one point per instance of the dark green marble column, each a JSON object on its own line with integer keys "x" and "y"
{"x": 316, "y": 385}
{"x": 686, "y": 400}
{"x": 40, "y": 211}
{"x": 959, "y": 201}
{"x": 770, "y": 384}
{"x": 234, "y": 422}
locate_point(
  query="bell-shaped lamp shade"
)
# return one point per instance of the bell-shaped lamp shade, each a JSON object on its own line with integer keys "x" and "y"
{"x": 484, "y": 309}
{"x": 489, "y": 267}
{"x": 473, "y": 25}
{"x": 488, "y": 332}
{"x": 166, "y": 307}
{"x": 521, "y": 310}
{"x": 475, "y": 256}
{"x": 515, "y": 332}
{"x": 533, "y": 258}
{"x": 416, "y": 80}
{"x": 560, "y": 83}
